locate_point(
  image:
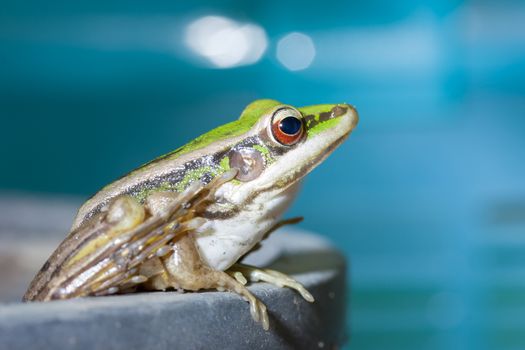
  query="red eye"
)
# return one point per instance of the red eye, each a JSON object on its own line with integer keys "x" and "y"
{"x": 287, "y": 127}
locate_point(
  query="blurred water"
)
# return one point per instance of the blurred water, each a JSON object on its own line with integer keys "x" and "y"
{"x": 427, "y": 197}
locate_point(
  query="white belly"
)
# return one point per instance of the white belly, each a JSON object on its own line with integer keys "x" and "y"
{"x": 222, "y": 242}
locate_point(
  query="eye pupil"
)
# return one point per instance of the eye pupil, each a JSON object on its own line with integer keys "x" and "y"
{"x": 290, "y": 125}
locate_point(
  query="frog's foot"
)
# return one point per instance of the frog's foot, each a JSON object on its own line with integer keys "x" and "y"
{"x": 221, "y": 281}
{"x": 242, "y": 272}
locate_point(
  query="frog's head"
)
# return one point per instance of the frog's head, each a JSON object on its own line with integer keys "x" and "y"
{"x": 285, "y": 143}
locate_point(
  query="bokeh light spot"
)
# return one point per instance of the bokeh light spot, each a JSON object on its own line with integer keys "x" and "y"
{"x": 226, "y": 43}
{"x": 296, "y": 51}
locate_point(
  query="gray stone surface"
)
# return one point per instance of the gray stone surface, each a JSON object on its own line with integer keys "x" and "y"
{"x": 170, "y": 320}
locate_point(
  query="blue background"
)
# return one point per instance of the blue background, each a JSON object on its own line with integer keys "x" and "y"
{"x": 426, "y": 198}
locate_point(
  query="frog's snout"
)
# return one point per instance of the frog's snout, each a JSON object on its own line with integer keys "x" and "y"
{"x": 348, "y": 111}
{"x": 348, "y": 114}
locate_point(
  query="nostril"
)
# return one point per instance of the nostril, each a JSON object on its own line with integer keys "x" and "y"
{"x": 338, "y": 111}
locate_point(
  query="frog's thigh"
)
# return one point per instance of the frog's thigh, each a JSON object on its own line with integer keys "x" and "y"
{"x": 186, "y": 270}
{"x": 254, "y": 274}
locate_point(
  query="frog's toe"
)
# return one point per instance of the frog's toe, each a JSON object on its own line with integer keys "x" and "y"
{"x": 263, "y": 315}
{"x": 259, "y": 312}
{"x": 239, "y": 277}
{"x": 282, "y": 280}
{"x": 276, "y": 278}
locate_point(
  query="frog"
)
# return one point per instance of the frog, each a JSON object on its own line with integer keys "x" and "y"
{"x": 185, "y": 220}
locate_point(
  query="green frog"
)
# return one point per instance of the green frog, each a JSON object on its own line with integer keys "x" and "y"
{"x": 184, "y": 220}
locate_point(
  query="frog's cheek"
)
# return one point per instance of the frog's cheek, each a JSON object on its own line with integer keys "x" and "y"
{"x": 249, "y": 162}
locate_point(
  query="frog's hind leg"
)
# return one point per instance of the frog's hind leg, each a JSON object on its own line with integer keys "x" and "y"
{"x": 243, "y": 272}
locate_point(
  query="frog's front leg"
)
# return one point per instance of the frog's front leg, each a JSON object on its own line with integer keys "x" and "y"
{"x": 184, "y": 269}
{"x": 243, "y": 272}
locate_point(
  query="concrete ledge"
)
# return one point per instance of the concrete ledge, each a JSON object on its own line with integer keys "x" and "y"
{"x": 169, "y": 320}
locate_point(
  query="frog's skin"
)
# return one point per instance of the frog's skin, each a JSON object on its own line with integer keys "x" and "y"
{"x": 237, "y": 181}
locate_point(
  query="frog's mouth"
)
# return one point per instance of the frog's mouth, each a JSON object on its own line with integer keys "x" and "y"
{"x": 301, "y": 172}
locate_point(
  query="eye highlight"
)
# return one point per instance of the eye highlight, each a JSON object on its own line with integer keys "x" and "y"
{"x": 287, "y": 126}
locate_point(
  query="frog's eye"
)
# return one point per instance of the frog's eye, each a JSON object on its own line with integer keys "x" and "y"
{"x": 287, "y": 126}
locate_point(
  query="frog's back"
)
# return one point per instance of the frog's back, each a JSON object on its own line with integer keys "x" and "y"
{"x": 198, "y": 159}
